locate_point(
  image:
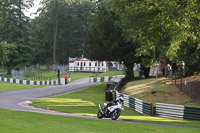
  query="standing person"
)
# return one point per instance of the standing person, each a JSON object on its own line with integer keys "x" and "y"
{"x": 66, "y": 79}
{"x": 170, "y": 72}
{"x": 183, "y": 67}
{"x": 167, "y": 70}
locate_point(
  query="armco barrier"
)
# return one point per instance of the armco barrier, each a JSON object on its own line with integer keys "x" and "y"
{"x": 29, "y": 82}
{"x": 136, "y": 104}
{"x": 191, "y": 113}
{"x": 177, "y": 111}
{"x": 162, "y": 110}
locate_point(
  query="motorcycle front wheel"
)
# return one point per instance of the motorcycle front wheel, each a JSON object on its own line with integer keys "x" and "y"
{"x": 99, "y": 115}
{"x": 115, "y": 115}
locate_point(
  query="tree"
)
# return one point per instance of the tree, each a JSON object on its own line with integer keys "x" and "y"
{"x": 15, "y": 30}
{"x": 162, "y": 27}
{"x": 107, "y": 42}
{"x": 73, "y": 18}
{"x": 3, "y": 53}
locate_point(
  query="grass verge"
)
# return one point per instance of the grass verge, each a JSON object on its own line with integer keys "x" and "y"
{"x": 111, "y": 73}
{"x": 4, "y": 86}
{"x": 76, "y": 76}
{"x": 26, "y": 122}
{"x": 53, "y": 76}
{"x": 85, "y": 102}
{"x": 114, "y": 73}
{"x": 160, "y": 90}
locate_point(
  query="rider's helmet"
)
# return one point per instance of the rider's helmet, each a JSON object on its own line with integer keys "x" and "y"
{"x": 121, "y": 99}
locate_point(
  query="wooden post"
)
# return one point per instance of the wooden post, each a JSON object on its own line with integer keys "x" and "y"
{"x": 191, "y": 89}
{"x": 175, "y": 74}
{"x": 181, "y": 83}
{"x": 152, "y": 109}
{"x": 55, "y": 33}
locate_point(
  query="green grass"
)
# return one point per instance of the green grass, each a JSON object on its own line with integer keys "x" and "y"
{"x": 26, "y": 122}
{"x": 110, "y": 73}
{"x": 6, "y": 76}
{"x": 44, "y": 75}
{"x": 85, "y": 102}
{"x": 80, "y": 102}
{"x": 136, "y": 73}
{"x": 4, "y": 86}
{"x": 48, "y": 74}
{"x": 76, "y": 76}
{"x": 114, "y": 73}
{"x": 160, "y": 90}
{"x": 73, "y": 76}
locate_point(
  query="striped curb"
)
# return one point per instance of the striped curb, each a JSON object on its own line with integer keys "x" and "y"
{"x": 136, "y": 104}
{"x": 106, "y": 79}
{"x": 99, "y": 79}
{"x": 30, "y": 82}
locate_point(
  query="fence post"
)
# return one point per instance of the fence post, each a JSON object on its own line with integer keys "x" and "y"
{"x": 181, "y": 84}
{"x": 152, "y": 109}
{"x": 191, "y": 89}
{"x": 175, "y": 74}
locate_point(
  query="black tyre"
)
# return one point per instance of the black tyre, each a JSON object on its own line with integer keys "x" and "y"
{"x": 99, "y": 115}
{"x": 115, "y": 115}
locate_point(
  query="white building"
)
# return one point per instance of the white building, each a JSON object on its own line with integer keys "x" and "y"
{"x": 86, "y": 65}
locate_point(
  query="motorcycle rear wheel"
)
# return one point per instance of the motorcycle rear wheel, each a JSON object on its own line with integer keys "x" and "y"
{"x": 115, "y": 115}
{"x": 99, "y": 115}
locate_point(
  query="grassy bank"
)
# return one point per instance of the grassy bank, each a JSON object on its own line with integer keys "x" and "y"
{"x": 160, "y": 90}
{"x": 4, "y": 86}
{"x": 85, "y": 102}
{"x": 26, "y": 122}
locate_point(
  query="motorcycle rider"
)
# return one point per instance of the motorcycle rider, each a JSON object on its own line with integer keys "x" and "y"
{"x": 112, "y": 103}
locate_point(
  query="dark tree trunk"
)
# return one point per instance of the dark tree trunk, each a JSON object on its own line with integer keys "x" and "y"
{"x": 55, "y": 34}
{"x": 9, "y": 71}
{"x": 129, "y": 73}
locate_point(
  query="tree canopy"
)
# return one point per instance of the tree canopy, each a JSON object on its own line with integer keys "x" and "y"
{"x": 131, "y": 31}
{"x": 107, "y": 42}
{"x": 70, "y": 19}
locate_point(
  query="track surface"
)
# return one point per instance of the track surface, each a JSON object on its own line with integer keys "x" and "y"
{"x": 11, "y": 99}
{"x": 18, "y": 100}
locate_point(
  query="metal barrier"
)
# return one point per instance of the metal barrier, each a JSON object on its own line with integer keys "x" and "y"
{"x": 136, "y": 104}
{"x": 177, "y": 111}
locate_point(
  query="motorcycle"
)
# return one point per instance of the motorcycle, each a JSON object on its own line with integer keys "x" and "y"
{"x": 112, "y": 111}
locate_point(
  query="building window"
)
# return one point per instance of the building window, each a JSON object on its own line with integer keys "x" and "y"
{"x": 78, "y": 63}
{"x": 102, "y": 64}
{"x": 90, "y": 64}
{"x": 84, "y": 63}
{"x": 95, "y": 63}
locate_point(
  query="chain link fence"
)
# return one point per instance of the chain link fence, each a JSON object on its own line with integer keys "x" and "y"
{"x": 37, "y": 72}
{"x": 190, "y": 86}
{"x": 3, "y": 70}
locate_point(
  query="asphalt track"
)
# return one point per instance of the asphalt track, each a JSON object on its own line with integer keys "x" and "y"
{"x": 19, "y": 100}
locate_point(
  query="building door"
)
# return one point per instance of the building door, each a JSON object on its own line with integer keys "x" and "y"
{"x": 81, "y": 66}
